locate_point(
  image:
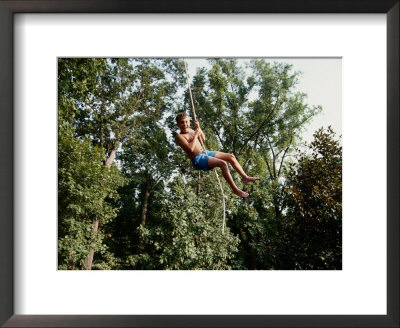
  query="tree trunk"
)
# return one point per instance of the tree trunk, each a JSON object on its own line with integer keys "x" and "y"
{"x": 89, "y": 259}
{"x": 71, "y": 261}
{"x": 111, "y": 155}
{"x": 144, "y": 214}
{"x": 145, "y": 205}
{"x": 101, "y": 126}
{"x": 277, "y": 208}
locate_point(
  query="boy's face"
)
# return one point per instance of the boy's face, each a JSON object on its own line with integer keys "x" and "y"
{"x": 184, "y": 124}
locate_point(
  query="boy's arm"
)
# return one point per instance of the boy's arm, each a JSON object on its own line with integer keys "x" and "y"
{"x": 187, "y": 146}
{"x": 202, "y": 136}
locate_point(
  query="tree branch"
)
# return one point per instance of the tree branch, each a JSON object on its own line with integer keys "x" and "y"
{"x": 216, "y": 132}
{"x": 269, "y": 170}
{"x": 261, "y": 125}
{"x": 284, "y": 154}
{"x": 273, "y": 157}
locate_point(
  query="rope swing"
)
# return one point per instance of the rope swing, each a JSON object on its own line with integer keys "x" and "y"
{"x": 204, "y": 148}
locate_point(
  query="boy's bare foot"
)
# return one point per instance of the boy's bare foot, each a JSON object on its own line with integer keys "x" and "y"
{"x": 241, "y": 193}
{"x": 248, "y": 179}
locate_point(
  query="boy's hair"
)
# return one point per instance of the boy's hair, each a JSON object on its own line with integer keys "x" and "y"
{"x": 181, "y": 116}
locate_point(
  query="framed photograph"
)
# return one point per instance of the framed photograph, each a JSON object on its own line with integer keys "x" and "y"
{"x": 49, "y": 51}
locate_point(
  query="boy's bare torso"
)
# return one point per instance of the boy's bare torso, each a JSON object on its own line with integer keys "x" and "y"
{"x": 197, "y": 148}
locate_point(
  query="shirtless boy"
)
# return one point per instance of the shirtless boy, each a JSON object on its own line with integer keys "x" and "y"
{"x": 189, "y": 141}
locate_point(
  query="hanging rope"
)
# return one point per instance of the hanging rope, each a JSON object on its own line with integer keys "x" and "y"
{"x": 204, "y": 148}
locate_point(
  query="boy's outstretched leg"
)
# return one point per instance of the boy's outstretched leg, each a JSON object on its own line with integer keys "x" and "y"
{"x": 215, "y": 162}
{"x": 235, "y": 164}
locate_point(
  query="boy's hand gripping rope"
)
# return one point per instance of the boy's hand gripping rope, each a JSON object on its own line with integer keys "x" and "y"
{"x": 204, "y": 148}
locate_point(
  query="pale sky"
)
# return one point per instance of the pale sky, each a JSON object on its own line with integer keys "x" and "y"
{"x": 321, "y": 81}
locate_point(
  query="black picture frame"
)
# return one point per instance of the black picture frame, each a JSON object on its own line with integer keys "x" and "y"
{"x": 10, "y": 7}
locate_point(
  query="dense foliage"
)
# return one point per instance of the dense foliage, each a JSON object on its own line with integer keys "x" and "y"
{"x": 128, "y": 198}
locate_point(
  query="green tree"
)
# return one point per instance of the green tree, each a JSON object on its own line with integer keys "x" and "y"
{"x": 77, "y": 81}
{"x": 312, "y": 230}
{"x": 146, "y": 160}
{"x": 84, "y": 186}
{"x": 185, "y": 233}
{"x": 112, "y": 96}
{"x": 277, "y": 117}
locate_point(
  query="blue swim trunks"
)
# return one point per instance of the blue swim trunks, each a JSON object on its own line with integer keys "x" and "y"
{"x": 200, "y": 162}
